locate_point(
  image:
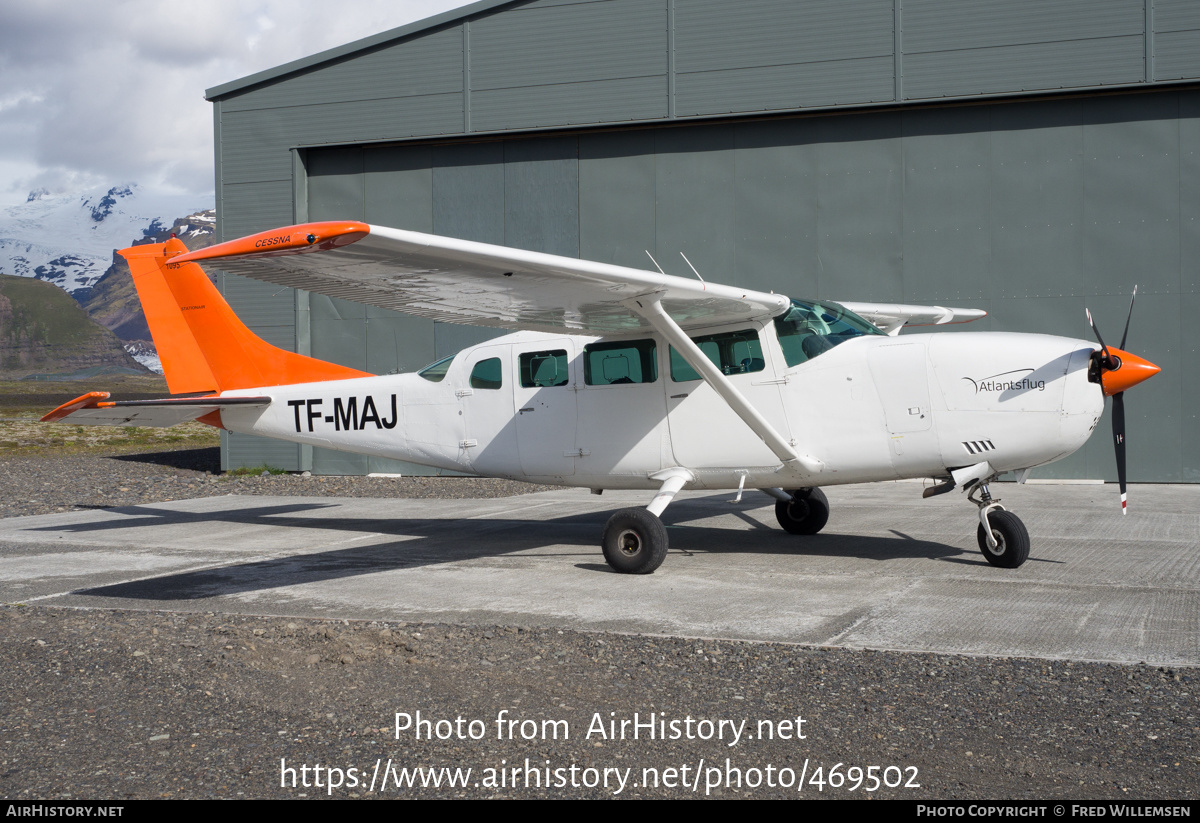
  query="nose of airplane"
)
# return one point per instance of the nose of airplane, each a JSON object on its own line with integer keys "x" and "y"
{"x": 1130, "y": 370}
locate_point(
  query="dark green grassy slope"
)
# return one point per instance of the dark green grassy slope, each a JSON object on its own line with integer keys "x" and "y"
{"x": 44, "y": 331}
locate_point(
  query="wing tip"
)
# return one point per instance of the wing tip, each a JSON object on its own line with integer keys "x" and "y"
{"x": 84, "y": 401}
{"x": 298, "y": 239}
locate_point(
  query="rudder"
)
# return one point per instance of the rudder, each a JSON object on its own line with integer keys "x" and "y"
{"x": 202, "y": 344}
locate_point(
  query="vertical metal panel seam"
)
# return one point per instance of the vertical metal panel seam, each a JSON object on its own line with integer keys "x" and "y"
{"x": 219, "y": 177}
{"x": 466, "y": 46}
{"x": 299, "y": 186}
{"x": 898, "y": 49}
{"x": 217, "y": 182}
{"x": 362, "y": 193}
{"x": 903, "y": 194}
{"x": 302, "y": 338}
{"x": 504, "y": 189}
{"x": 304, "y": 454}
{"x": 578, "y": 201}
{"x": 654, "y": 171}
{"x": 988, "y": 219}
{"x": 1179, "y": 231}
{"x": 1149, "y": 6}
{"x": 670, "y": 59}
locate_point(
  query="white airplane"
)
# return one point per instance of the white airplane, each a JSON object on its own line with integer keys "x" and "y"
{"x": 625, "y": 379}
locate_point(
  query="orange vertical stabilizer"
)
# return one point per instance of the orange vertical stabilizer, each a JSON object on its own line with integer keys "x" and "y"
{"x": 202, "y": 344}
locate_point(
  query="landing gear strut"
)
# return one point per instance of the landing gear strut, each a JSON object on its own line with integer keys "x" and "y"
{"x": 1001, "y": 535}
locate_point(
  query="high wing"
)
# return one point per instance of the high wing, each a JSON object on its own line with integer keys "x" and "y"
{"x": 94, "y": 409}
{"x": 891, "y": 317}
{"x": 460, "y": 281}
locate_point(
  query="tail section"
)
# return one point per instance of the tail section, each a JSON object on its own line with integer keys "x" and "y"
{"x": 202, "y": 344}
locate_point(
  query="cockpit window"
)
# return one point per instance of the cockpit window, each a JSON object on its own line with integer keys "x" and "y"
{"x": 810, "y": 328}
{"x": 435, "y": 372}
{"x": 487, "y": 374}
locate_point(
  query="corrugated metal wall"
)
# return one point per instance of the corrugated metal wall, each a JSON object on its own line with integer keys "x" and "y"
{"x": 1030, "y": 210}
{"x": 558, "y": 63}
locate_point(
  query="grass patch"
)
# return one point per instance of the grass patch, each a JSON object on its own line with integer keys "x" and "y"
{"x": 22, "y": 434}
{"x": 23, "y": 402}
{"x": 254, "y": 471}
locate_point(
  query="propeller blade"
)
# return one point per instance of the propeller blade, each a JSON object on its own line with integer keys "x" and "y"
{"x": 1108, "y": 361}
{"x": 1118, "y": 424}
{"x": 1126, "y": 334}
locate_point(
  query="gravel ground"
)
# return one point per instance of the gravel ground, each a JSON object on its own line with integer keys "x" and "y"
{"x": 42, "y": 485}
{"x": 111, "y": 704}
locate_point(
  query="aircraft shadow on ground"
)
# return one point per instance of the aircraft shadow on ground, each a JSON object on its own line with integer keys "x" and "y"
{"x": 206, "y": 459}
{"x": 434, "y": 541}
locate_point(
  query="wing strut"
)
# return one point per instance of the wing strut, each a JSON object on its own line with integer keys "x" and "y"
{"x": 649, "y": 307}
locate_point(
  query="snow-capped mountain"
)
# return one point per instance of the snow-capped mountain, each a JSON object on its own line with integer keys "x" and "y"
{"x": 144, "y": 352}
{"x": 68, "y": 239}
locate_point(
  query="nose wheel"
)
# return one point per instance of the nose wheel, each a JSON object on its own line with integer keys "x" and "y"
{"x": 1010, "y": 537}
{"x": 1001, "y": 535}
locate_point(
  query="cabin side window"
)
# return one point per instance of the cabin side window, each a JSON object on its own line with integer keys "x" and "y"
{"x": 734, "y": 352}
{"x": 487, "y": 374}
{"x": 624, "y": 361}
{"x": 543, "y": 368}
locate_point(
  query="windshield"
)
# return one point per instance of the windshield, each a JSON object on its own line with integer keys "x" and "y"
{"x": 435, "y": 372}
{"x": 810, "y": 328}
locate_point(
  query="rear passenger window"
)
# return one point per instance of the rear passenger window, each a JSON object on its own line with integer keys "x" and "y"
{"x": 544, "y": 368}
{"x": 487, "y": 374}
{"x": 735, "y": 352}
{"x": 625, "y": 361}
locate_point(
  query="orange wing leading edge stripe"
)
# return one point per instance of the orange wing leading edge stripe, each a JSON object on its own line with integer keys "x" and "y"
{"x": 305, "y": 237}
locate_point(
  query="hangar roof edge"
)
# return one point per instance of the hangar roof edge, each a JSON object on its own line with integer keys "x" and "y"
{"x": 352, "y": 47}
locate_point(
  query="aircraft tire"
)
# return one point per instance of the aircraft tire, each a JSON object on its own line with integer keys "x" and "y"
{"x": 635, "y": 542}
{"x": 1012, "y": 540}
{"x": 807, "y": 513}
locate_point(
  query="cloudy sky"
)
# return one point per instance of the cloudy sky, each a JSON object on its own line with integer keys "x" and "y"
{"x": 113, "y": 92}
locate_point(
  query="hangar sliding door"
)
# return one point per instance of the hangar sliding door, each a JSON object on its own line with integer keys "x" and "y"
{"x": 1030, "y": 210}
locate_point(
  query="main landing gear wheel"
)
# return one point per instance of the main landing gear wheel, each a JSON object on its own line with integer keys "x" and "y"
{"x": 806, "y": 513}
{"x": 635, "y": 541}
{"x": 1012, "y": 540}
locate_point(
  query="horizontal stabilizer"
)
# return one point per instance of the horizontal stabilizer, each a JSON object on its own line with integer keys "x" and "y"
{"x": 891, "y": 317}
{"x": 94, "y": 409}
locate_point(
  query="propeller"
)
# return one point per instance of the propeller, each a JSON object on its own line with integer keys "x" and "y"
{"x": 1115, "y": 373}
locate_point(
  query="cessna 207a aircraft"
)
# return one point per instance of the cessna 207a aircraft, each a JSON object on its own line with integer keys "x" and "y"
{"x": 624, "y": 379}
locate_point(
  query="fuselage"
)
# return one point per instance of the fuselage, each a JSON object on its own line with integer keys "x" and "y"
{"x": 612, "y": 412}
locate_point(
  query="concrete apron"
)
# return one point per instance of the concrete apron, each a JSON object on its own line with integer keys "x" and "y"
{"x": 890, "y": 571}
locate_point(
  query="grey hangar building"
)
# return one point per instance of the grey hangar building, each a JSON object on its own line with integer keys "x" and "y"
{"x": 1026, "y": 157}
